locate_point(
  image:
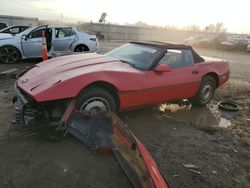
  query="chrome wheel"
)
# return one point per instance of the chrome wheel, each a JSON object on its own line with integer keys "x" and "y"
{"x": 95, "y": 105}
{"x": 206, "y": 93}
{"x": 9, "y": 54}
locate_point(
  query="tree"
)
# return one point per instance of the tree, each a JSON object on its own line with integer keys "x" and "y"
{"x": 194, "y": 28}
{"x": 141, "y": 24}
{"x": 216, "y": 28}
{"x": 103, "y": 17}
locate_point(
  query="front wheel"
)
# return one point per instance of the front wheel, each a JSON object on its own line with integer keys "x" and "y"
{"x": 205, "y": 92}
{"x": 95, "y": 100}
{"x": 9, "y": 54}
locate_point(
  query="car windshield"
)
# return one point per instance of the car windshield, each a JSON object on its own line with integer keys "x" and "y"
{"x": 137, "y": 55}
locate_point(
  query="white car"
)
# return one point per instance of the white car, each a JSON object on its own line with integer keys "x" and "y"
{"x": 28, "y": 44}
{"x": 248, "y": 48}
{"x": 14, "y": 29}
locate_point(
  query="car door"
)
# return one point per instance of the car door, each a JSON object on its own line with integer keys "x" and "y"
{"x": 32, "y": 43}
{"x": 180, "y": 82}
{"x": 64, "y": 37}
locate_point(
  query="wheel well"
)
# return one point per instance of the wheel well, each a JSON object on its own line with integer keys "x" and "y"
{"x": 108, "y": 87}
{"x": 82, "y": 45}
{"x": 215, "y": 76}
{"x": 15, "y": 48}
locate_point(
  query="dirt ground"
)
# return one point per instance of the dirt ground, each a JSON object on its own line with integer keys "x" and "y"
{"x": 215, "y": 142}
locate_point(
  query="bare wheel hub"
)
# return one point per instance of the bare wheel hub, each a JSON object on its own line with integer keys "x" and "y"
{"x": 95, "y": 105}
{"x": 207, "y": 92}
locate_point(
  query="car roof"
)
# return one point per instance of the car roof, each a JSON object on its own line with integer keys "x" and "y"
{"x": 58, "y": 26}
{"x": 162, "y": 44}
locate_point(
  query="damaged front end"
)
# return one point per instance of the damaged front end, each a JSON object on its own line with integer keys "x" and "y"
{"x": 103, "y": 132}
{"x": 26, "y": 109}
{"x": 29, "y": 112}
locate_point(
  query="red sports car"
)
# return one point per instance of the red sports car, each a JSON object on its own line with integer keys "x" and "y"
{"x": 133, "y": 75}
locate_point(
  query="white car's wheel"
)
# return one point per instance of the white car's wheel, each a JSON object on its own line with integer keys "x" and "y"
{"x": 81, "y": 48}
{"x": 9, "y": 54}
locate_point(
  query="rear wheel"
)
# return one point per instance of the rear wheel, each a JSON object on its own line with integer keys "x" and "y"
{"x": 205, "y": 92}
{"x": 81, "y": 48}
{"x": 95, "y": 100}
{"x": 9, "y": 54}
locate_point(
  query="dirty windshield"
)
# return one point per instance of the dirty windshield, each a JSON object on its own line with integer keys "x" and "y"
{"x": 138, "y": 56}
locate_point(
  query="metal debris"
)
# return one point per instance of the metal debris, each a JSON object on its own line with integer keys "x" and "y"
{"x": 31, "y": 134}
{"x": 189, "y": 165}
{"x": 10, "y": 72}
{"x": 176, "y": 175}
{"x": 195, "y": 171}
{"x": 236, "y": 180}
{"x": 214, "y": 172}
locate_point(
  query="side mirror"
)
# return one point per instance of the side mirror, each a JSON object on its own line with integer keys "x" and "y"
{"x": 162, "y": 68}
{"x": 24, "y": 37}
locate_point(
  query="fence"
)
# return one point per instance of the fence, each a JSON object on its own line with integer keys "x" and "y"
{"x": 126, "y": 33}
{"x": 18, "y": 20}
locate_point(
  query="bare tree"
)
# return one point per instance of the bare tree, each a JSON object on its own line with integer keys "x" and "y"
{"x": 216, "y": 28}
{"x": 194, "y": 28}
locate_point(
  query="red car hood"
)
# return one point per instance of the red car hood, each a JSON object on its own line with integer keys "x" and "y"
{"x": 46, "y": 74}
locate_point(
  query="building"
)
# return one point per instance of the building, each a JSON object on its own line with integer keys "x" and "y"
{"x": 18, "y": 20}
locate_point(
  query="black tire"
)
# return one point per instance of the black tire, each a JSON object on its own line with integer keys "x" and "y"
{"x": 205, "y": 92}
{"x": 81, "y": 48}
{"x": 9, "y": 54}
{"x": 94, "y": 100}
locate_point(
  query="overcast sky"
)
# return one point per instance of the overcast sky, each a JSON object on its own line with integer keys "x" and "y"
{"x": 234, "y": 14}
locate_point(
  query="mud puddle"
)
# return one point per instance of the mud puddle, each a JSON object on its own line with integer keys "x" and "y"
{"x": 201, "y": 117}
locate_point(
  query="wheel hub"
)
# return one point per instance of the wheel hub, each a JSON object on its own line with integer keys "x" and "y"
{"x": 207, "y": 92}
{"x": 95, "y": 105}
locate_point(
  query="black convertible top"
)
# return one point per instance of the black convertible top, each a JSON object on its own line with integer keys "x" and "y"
{"x": 164, "y": 45}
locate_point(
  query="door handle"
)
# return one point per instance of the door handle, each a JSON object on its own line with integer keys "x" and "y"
{"x": 195, "y": 72}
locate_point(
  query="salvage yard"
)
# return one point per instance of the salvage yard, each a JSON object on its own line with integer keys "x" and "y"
{"x": 193, "y": 147}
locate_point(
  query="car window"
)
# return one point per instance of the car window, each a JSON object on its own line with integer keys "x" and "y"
{"x": 64, "y": 32}
{"x": 37, "y": 33}
{"x": 14, "y": 30}
{"x": 178, "y": 58}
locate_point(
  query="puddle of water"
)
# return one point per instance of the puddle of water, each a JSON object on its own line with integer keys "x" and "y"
{"x": 202, "y": 117}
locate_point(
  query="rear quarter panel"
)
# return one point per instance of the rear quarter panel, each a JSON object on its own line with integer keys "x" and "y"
{"x": 219, "y": 67}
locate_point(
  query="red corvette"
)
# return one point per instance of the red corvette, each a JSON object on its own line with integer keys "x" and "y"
{"x": 133, "y": 75}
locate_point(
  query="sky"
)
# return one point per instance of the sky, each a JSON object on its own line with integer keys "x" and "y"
{"x": 234, "y": 14}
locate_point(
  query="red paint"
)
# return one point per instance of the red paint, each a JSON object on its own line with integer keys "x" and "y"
{"x": 121, "y": 137}
{"x": 70, "y": 109}
{"x": 155, "y": 174}
{"x": 64, "y": 77}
